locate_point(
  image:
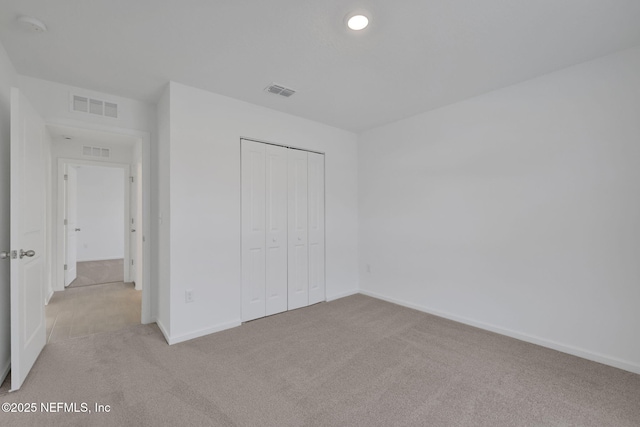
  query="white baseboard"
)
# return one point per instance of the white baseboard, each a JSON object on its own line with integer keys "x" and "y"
{"x": 342, "y": 295}
{"x": 148, "y": 321}
{"x": 163, "y": 330}
{"x": 113, "y": 258}
{"x": 5, "y": 370}
{"x": 201, "y": 332}
{"x": 48, "y": 298}
{"x": 564, "y": 348}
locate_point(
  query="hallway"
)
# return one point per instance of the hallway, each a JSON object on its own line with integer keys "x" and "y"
{"x": 89, "y": 310}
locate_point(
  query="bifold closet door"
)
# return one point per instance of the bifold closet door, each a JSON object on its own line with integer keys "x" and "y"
{"x": 276, "y": 220}
{"x": 253, "y": 230}
{"x": 298, "y": 252}
{"x": 315, "y": 175}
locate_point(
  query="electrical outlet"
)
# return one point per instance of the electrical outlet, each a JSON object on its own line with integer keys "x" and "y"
{"x": 188, "y": 295}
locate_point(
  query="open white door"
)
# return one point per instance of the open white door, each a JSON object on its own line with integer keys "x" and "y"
{"x": 71, "y": 225}
{"x": 133, "y": 227}
{"x": 139, "y": 233}
{"x": 28, "y": 207}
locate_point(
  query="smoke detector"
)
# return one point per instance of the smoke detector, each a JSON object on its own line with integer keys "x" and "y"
{"x": 279, "y": 90}
{"x": 32, "y": 24}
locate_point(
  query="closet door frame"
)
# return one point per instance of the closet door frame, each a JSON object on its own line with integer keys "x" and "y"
{"x": 316, "y": 226}
{"x": 253, "y": 231}
{"x": 320, "y": 295}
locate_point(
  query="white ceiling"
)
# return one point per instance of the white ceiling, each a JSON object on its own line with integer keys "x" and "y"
{"x": 415, "y": 56}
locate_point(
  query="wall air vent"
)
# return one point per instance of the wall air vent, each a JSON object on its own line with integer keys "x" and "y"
{"x": 88, "y": 151}
{"x": 98, "y": 107}
{"x": 280, "y": 90}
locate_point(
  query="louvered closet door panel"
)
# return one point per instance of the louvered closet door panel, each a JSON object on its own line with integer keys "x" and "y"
{"x": 276, "y": 244}
{"x": 316, "y": 227}
{"x": 253, "y": 230}
{"x": 298, "y": 230}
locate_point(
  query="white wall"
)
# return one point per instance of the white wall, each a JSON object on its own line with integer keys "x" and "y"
{"x": 101, "y": 215}
{"x": 162, "y": 251}
{"x": 50, "y": 231}
{"x": 8, "y": 78}
{"x": 516, "y": 211}
{"x": 64, "y": 149}
{"x": 204, "y": 189}
{"x": 52, "y": 100}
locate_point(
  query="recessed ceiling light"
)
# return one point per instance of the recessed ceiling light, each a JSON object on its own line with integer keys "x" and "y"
{"x": 32, "y": 24}
{"x": 358, "y": 22}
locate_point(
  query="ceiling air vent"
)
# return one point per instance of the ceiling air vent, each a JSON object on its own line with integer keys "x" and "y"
{"x": 96, "y": 152}
{"x": 280, "y": 90}
{"x": 98, "y": 107}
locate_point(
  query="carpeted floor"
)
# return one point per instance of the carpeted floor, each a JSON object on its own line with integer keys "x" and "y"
{"x": 98, "y": 272}
{"x": 356, "y": 361}
{"x": 87, "y": 310}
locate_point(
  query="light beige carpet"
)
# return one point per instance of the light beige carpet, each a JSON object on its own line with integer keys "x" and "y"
{"x": 98, "y": 272}
{"x": 356, "y": 361}
{"x": 87, "y": 310}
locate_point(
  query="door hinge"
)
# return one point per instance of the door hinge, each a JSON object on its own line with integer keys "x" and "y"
{"x": 66, "y": 177}
{"x": 131, "y": 262}
{"x": 131, "y": 220}
{"x": 65, "y": 267}
{"x": 65, "y": 222}
{"x": 131, "y": 178}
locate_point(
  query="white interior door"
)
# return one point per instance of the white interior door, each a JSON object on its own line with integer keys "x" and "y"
{"x": 316, "y": 228}
{"x": 298, "y": 274}
{"x": 139, "y": 233}
{"x": 133, "y": 225}
{"x": 71, "y": 225}
{"x": 276, "y": 235}
{"x": 28, "y": 207}
{"x": 253, "y": 230}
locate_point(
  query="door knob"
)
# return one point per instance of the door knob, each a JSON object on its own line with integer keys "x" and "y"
{"x": 28, "y": 253}
{"x": 77, "y": 229}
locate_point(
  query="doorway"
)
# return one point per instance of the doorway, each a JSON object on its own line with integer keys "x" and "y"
{"x": 96, "y": 225}
{"x": 99, "y": 234}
